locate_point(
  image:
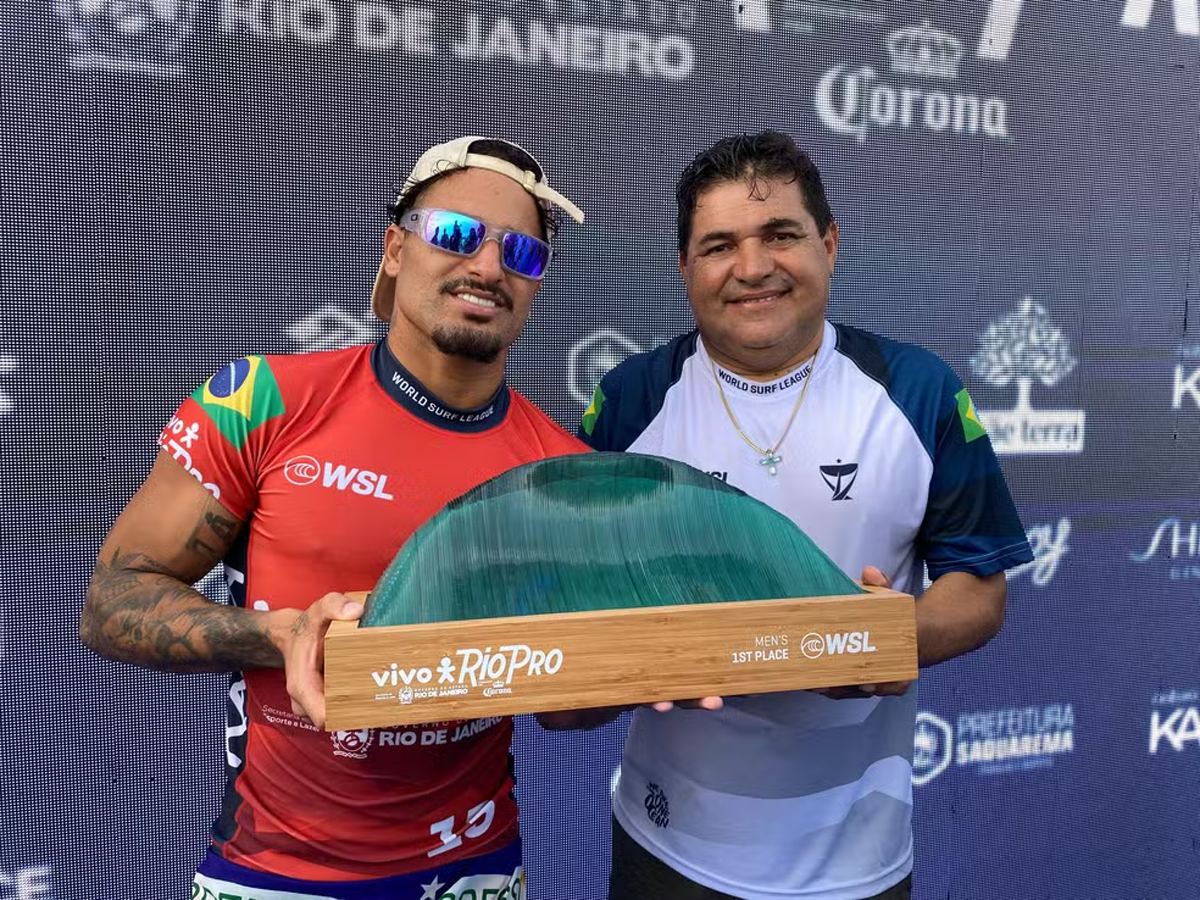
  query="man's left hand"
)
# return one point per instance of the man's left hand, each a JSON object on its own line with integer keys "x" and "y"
{"x": 875, "y": 578}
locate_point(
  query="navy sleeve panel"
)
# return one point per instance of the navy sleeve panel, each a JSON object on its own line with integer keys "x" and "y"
{"x": 632, "y": 394}
{"x": 970, "y": 524}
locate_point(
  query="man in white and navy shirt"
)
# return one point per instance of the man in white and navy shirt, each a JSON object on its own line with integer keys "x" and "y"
{"x": 873, "y": 448}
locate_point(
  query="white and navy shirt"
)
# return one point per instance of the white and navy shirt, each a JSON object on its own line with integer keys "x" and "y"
{"x": 794, "y": 795}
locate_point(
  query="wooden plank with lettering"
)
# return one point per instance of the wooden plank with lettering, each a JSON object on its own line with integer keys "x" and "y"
{"x": 409, "y": 674}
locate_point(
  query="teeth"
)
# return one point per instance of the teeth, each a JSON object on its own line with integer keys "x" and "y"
{"x": 478, "y": 301}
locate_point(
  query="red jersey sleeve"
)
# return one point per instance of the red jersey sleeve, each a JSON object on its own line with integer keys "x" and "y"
{"x": 220, "y": 432}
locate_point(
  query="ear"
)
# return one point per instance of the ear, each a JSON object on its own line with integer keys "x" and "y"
{"x": 830, "y": 240}
{"x": 393, "y": 241}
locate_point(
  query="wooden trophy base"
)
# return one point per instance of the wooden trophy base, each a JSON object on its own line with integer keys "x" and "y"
{"x": 410, "y": 674}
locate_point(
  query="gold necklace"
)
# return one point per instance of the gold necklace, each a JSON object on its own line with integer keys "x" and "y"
{"x": 770, "y": 456}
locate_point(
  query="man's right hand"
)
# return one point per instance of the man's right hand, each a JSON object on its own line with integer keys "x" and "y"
{"x": 874, "y": 577}
{"x": 302, "y": 644}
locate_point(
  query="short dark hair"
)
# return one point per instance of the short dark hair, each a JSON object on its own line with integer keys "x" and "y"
{"x": 547, "y": 218}
{"x": 750, "y": 157}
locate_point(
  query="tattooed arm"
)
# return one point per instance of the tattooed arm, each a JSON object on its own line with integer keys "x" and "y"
{"x": 140, "y": 605}
{"x": 142, "y": 609}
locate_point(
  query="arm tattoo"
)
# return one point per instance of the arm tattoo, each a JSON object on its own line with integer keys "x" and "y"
{"x": 139, "y": 611}
{"x": 225, "y": 529}
{"x": 301, "y": 625}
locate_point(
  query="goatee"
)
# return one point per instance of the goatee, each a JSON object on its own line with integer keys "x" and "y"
{"x": 470, "y": 343}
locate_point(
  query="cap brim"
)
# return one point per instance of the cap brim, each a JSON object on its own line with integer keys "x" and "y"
{"x": 383, "y": 295}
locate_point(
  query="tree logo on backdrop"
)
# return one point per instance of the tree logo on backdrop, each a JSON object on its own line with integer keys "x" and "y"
{"x": 591, "y": 358}
{"x": 995, "y": 37}
{"x": 143, "y": 36}
{"x": 1020, "y": 349}
{"x": 919, "y": 95}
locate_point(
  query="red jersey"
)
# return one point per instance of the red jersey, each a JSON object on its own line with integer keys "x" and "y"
{"x": 334, "y": 459}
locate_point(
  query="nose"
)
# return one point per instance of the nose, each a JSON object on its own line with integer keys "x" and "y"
{"x": 486, "y": 263}
{"x": 753, "y": 263}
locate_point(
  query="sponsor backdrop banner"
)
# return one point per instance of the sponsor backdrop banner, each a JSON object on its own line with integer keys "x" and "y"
{"x": 186, "y": 181}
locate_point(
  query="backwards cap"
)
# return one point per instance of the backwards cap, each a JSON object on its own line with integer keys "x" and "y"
{"x": 456, "y": 154}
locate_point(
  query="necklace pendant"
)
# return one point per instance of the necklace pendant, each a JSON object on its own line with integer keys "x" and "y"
{"x": 771, "y": 460}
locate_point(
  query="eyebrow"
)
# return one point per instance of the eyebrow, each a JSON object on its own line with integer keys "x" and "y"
{"x": 775, "y": 224}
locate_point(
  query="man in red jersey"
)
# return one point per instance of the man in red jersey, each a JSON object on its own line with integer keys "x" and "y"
{"x": 305, "y": 474}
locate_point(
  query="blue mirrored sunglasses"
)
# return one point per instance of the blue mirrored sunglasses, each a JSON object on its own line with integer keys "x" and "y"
{"x": 521, "y": 254}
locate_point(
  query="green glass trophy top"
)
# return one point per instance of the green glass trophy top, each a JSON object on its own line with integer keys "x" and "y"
{"x": 598, "y": 531}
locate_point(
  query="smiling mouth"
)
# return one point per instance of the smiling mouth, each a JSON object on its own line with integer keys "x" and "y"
{"x": 757, "y": 298}
{"x": 477, "y": 300}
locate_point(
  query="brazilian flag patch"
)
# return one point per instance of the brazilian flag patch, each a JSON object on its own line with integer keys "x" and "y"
{"x": 241, "y": 397}
{"x": 972, "y": 428}
{"x": 592, "y": 413}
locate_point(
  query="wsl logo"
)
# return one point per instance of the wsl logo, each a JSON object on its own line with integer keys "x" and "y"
{"x": 924, "y": 61}
{"x": 305, "y": 470}
{"x": 143, "y": 36}
{"x": 814, "y": 645}
{"x": 1020, "y": 349}
{"x": 302, "y": 470}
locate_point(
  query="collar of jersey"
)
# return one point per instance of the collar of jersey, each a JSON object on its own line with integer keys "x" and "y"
{"x": 406, "y": 390}
{"x": 740, "y": 389}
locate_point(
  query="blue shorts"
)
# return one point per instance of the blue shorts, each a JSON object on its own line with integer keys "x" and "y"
{"x": 494, "y": 876}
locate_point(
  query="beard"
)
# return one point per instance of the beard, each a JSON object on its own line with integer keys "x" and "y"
{"x": 474, "y": 344}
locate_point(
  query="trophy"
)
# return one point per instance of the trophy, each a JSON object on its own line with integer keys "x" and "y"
{"x": 605, "y": 579}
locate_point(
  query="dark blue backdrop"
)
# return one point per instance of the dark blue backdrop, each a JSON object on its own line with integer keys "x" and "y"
{"x": 1016, "y": 183}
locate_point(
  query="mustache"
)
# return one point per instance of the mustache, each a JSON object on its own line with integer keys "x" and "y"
{"x": 494, "y": 289}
